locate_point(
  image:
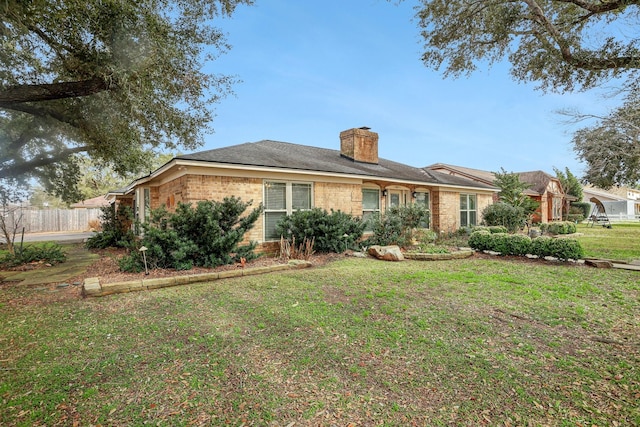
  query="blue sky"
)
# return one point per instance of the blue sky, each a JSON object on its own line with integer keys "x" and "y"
{"x": 312, "y": 69}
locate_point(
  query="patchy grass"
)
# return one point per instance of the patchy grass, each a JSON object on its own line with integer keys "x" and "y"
{"x": 620, "y": 242}
{"x": 356, "y": 342}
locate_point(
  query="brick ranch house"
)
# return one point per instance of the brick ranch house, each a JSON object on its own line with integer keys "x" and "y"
{"x": 285, "y": 177}
{"x": 543, "y": 188}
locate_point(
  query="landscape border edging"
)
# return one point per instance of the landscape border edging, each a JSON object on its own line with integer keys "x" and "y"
{"x": 92, "y": 287}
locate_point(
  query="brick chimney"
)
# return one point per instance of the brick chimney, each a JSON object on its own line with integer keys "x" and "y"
{"x": 360, "y": 145}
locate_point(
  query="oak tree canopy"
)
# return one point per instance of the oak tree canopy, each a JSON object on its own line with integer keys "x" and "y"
{"x": 110, "y": 79}
{"x": 562, "y": 45}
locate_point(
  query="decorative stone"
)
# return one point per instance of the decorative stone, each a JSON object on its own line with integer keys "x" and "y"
{"x": 386, "y": 253}
{"x": 92, "y": 287}
{"x": 598, "y": 263}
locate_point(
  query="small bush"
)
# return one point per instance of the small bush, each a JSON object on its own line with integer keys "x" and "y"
{"x": 480, "y": 240}
{"x": 503, "y": 214}
{"x": 50, "y": 253}
{"x": 398, "y": 225}
{"x": 425, "y": 236}
{"x": 331, "y": 232}
{"x": 498, "y": 242}
{"x": 506, "y": 244}
{"x": 518, "y": 244}
{"x": 565, "y": 249}
{"x": 575, "y": 217}
{"x": 559, "y": 227}
{"x": 540, "y": 246}
{"x": 116, "y": 230}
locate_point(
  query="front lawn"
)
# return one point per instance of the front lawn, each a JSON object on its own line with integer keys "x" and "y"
{"x": 620, "y": 242}
{"x": 355, "y": 342}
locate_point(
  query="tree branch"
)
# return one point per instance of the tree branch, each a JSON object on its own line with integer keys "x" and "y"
{"x": 43, "y": 159}
{"x": 565, "y": 49}
{"x": 50, "y": 91}
{"x": 601, "y": 7}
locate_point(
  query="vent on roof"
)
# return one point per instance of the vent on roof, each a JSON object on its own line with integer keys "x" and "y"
{"x": 360, "y": 145}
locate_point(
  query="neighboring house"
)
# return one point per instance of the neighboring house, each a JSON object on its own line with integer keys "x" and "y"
{"x": 543, "y": 188}
{"x": 620, "y": 203}
{"x": 93, "y": 203}
{"x": 286, "y": 177}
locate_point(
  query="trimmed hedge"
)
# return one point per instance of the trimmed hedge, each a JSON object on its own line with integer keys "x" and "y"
{"x": 559, "y": 227}
{"x": 565, "y": 249}
{"x": 480, "y": 240}
{"x": 517, "y": 244}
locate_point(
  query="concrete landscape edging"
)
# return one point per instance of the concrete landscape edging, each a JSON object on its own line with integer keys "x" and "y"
{"x": 93, "y": 288}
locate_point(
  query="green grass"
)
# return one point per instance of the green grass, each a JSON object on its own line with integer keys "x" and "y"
{"x": 466, "y": 342}
{"x": 620, "y": 242}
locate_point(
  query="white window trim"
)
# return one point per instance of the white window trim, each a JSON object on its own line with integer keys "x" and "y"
{"x": 468, "y": 210}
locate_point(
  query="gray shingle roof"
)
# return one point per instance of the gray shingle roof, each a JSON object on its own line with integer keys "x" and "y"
{"x": 284, "y": 155}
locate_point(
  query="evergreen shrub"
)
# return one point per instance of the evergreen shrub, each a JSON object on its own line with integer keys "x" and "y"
{"x": 331, "y": 232}
{"x": 503, "y": 214}
{"x": 559, "y": 227}
{"x": 207, "y": 235}
{"x": 51, "y": 253}
{"x": 116, "y": 230}
{"x": 397, "y": 225}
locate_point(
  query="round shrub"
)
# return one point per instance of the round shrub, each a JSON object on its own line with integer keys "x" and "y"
{"x": 479, "y": 240}
{"x": 498, "y": 242}
{"x": 505, "y": 215}
{"x": 518, "y": 244}
{"x": 565, "y": 249}
{"x": 561, "y": 227}
{"x": 540, "y": 246}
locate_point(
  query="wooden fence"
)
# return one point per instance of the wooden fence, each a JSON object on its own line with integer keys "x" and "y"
{"x": 51, "y": 220}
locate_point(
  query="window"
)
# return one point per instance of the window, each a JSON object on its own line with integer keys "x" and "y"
{"x": 142, "y": 204}
{"x": 370, "y": 204}
{"x": 467, "y": 210}
{"x": 557, "y": 208}
{"x": 280, "y": 199}
{"x": 422, "y": 199}
{"x": 395, "y": 198}
{"x": 147, "y": 204}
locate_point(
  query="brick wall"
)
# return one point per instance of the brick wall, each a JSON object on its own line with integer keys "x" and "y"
{"x": 338, "y": 196}
{"x": 445, "y": 207}
{"x": 483, "y": 201}
{"x": 346, "y": 197}
{"x": 193, "y": 188}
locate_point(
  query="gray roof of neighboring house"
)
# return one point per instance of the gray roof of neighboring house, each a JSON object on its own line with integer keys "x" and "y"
{"x": 284, "y": 155}
{"x": 538, "y": 180}
{"x": 476, "y": 174}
